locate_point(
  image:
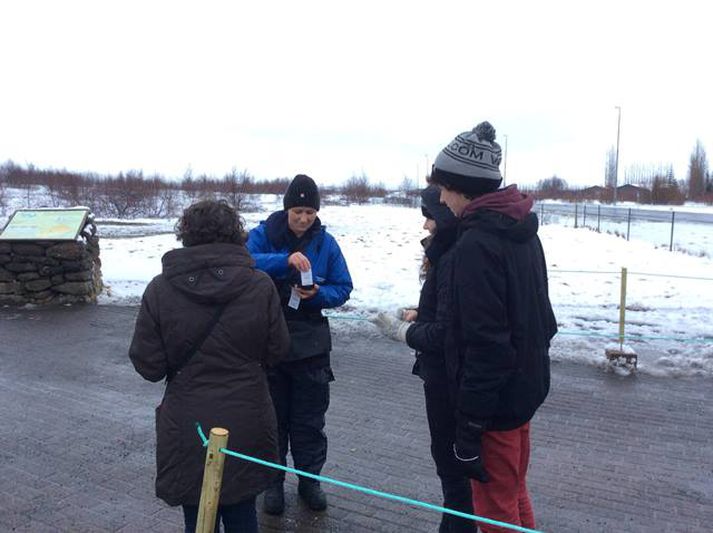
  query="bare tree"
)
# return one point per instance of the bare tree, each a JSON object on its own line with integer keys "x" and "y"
{"x": 357, "y": 189}
{"x": 697, "y": 172}
{"x": 610, "y": 168}
{"x": 552, "y": 184}
{"x": 234, "y": 187}
{"x": 3, "y": 194}
{"x": 665, "y": 189}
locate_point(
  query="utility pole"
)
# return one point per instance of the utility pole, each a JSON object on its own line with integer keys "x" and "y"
{"x": 616, "y": 166}
{"x": 505, "y": 161}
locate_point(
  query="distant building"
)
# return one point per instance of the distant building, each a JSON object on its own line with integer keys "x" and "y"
{"x": 596, "y": 193}
{"x": 633, "y": 193}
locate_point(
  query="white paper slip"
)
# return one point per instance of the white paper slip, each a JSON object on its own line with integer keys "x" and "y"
{"x": 307, "y": 278}
{"x": 294, "y": 302}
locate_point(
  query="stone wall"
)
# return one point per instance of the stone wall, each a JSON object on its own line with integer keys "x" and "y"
{"x": 45, "y": 272}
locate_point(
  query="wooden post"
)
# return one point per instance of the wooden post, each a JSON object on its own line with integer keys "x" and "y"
{"x": 673, "y": 217}
{"x": 622, "y": 308}
{"x": 212, "y": 480}
{"x": 623, "y": 358}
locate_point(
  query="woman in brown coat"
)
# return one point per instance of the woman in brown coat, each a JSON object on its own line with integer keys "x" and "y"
{"x": 210, "y": 324}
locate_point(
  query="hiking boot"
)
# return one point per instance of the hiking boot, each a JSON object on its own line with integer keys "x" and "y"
{"x": 312, "y": 494}
{"x": 273, "y": 501}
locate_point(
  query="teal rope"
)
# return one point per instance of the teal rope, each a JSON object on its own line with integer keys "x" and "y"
{"x": 635, "y": 337}
{"x": 346, "y": 317}
{"x": 644, "y": 274}
{"x": 201, "y": 434}
{"x": 694, "y": 340}
{"x": 584, "y": 271}
{"x": 668, "y": 276}
{"x": 366, "y": 490}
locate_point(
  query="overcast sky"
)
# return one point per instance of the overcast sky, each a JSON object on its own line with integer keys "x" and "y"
{"x": 337, "y": 88}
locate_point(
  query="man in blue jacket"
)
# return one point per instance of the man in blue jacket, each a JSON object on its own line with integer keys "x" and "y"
{"x": 308, "y": 268}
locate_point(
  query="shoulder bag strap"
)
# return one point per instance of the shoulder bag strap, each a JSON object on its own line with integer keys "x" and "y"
{"x": 198, "y": 342}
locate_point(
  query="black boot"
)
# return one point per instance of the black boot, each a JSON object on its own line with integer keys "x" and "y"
{"x": 312, "y": 494}
{"x": 274, "y": 500}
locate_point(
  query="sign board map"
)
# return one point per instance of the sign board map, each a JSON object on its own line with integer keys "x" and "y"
{"x": 45, "y": 224}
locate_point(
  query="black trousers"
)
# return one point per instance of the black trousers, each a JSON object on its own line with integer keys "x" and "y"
{"x": 300, "y": 394}
{"x": 237, "y": 518}
{"x": 442, "y": 425}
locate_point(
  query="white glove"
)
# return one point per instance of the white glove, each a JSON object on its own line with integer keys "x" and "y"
{"x": 391, "y": 326}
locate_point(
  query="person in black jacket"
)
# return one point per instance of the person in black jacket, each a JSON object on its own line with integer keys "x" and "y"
{"x": 211, "y": 324}
{"x": 497, "y": 345}
{"x": 426, "y": 335}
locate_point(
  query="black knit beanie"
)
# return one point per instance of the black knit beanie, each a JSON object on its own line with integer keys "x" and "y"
{"x": 302, "y": 192}
{"x": 432, "y": 208}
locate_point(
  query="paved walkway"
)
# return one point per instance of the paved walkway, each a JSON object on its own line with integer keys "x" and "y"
{"x": 77, "y": 442}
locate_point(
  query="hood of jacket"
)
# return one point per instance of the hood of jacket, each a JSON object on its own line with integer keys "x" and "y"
{"x": 438, "y": 244}
{"x": 508, "y": 201}
{"x": 209, "y": 273}
{"x": 278, "y": 232}
{"x": 502, "y": 225}
{"x": 506, "y": 212}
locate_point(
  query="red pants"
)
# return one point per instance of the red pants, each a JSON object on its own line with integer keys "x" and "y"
{"x": 506, "y": 455}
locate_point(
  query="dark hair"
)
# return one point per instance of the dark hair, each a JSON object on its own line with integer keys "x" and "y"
{"x": 470, "y": 187}
{"x": 210, "y": 221}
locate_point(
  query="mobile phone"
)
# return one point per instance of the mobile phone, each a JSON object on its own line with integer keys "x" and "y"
{"x": 306, "y": 281}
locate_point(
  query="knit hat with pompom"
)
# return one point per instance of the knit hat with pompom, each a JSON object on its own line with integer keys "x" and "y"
{"x": 470, "y": 163}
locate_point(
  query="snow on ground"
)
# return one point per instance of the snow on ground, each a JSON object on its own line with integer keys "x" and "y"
{"x": 692, "y": 229}
{"x": 688, "y": 237}
{"x": 381, "y": 245}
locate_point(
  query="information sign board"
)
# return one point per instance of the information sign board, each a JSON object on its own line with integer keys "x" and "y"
{"x": 45, "y": 224}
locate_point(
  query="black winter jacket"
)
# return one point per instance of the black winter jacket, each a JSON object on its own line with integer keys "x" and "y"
{"x": 497, "y": 347}
{"x": 427, "y": 335}
{"x": 224, "y": 384}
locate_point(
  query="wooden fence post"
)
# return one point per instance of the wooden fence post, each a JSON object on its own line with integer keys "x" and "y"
{"x": 622, "y": 308}
{"x": 212, "y": 480}
{"x": 622, "y": 357}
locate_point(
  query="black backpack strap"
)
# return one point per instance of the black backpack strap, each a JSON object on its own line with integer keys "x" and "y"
{"x": 198, "y": 342}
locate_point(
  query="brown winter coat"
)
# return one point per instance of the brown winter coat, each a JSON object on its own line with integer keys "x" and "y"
{"x": 224, "y": 384}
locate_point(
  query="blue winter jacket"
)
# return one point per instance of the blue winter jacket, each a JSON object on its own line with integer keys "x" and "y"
{"x": 329, "y": 269}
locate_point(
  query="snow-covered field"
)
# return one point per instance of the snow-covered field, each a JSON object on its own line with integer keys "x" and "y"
{"x": 382, "y": 247}
{"x": 690, "y": 236}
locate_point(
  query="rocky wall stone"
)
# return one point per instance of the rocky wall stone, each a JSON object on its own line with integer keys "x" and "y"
{"x": 44, "y": 272}
{"x": 77, "y": 288}
{"x": 27, "y": 276}
{"x": 33, "y": 250}
{"x": 66, "y": 250}
{"x": 38, "y": 285}
{"x": 11, "y": 287}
